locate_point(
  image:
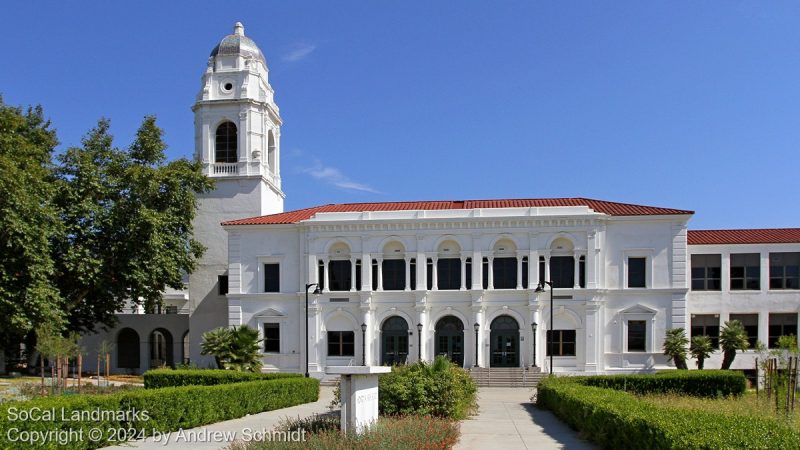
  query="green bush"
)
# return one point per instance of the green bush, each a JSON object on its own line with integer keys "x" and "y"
{"x": 616, "y": 419}
{"x": 159, "y": 378}
{"x": 439, "y": 389}
{"x": 706, "y": 383}
{"x": 168, "y": 409}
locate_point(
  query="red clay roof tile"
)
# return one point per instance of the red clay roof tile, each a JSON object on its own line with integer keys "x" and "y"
{"x": 752, "y": 236}
{"x": 601, "y": 206}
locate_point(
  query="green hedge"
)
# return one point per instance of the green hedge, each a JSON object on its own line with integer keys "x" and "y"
{"x": 160, "y": 378}
{"x": 700, "y": 383}
{"x": 616, "y": 419}
{"x": 168, "y": 409}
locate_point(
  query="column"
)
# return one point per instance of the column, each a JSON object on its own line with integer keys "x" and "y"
{"x": 353, "y": 273}
{"x": 422, "y": 341}
{"x": 577, "y": 268}
{"x": 311, "y": 269}
{"x": 592, "y": 253}
{"x": 593, "y": 331}
{"x": 408, "y": 273}
{"x": 366, "y": 318}
{"x": 326, "y": 276}
{"x": 533, "y": 269}
{"x": 491, "y": 271}
{"x": 519, "y": 270}
{"x": 421, "y": 262}
{"x": 366, "y": 272}
{"x": 547, "y": 266}
{"x": 477, "y": 267}
{"x": 380, "y": 273}
{"x": 435, "y": 276}
{"x": 477, "y": 318}
{"x": 463, "y": 286}
{"x": 314, "y": 323}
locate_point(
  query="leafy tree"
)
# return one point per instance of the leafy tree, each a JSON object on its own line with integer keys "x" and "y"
{"x": 127, "y": 218}
{"x": 28, "y": 221}
{"x": 236, "y": 348}
{"x": 674, "y": 347}
{"x": 732, "y": 337}
{"x": 701, "y": 348}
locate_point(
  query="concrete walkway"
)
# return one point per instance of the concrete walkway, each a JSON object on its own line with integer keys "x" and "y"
{"x": 221, "y": 434}
{"x": 508, "y": 420}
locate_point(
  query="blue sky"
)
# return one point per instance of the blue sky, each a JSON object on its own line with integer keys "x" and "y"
{"x": 692, "y": 105}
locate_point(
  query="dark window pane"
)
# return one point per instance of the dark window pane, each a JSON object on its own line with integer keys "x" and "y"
{"x": 485, "y": 273}
{"x": 504, "y": 273}
{"x": 562, "y": 271}
{"x": 542, "y": 271}
{"x": 706, "y": 272}
{"x": 272, "y": 336}
{"x": 745, "y": 271}
{"x": 341, "y": 343}
{"x": 321, "y": 274}
{"x": 468, "y": 281}
{"x": 412, "y": 271}
{"x": 636, "y": 272}
{"x": 272, "y": 278}
{"x": 429, "y": 273}
{"x": 225, "y": 143}
{"x": 394, "y": 274}
{"x": 340, "y": 275}
{"x": 358, "y": 274}
{"x": 374, "y": 275}
{"x": 222, "y": 284}
{"x": 582, "y": 272}
{"x": 525, "y": 273}
{"x": 636, "y": 335}
{"x": 448, "y": 272}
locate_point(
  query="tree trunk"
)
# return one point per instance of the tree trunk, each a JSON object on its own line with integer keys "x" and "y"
{"x": 80, "y": 366}
{"x": 700, "y": 363}
{"x": 108, "y": 367}
{"x": 52, "y": 377}
{"x": 680, "y": 363}
{"x": 41, "y": 361}
{"x": 727, "y": 359}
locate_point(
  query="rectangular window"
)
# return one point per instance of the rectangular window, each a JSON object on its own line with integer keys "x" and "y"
{"x": 448, "y": 273}
{"x": 272, "y": 277}
{"x": 504, "y": 273}
{"x": 340, "y": 275}
{"x": 341, "y": 343}
{"x": 321, "y": 275}
{"x": 781, "y": 325}
{"x": 542, "y": 270}
{"x": 485, "y": 273}
{"x": 222, "y": 284}
{"x": 563, "y": 344}
{"x": 706, "y": 272}
{"x": 746, "y": 272}
{"x": 429, "y": 274}
{"x": 750, "y": 322}
{"x": 394, "y": 274}
{"x": 468, "y": 271}
{"x": 272, "y": 338}
{"x": 784, "y": 270}
{"x": 582, "y": 272}
{"x": 374, "y": 274}
{"x": 358, "y": 275}
{"x": 412, "y": 270}
{"x": 562, "y": 271}
{"x": 637, "y": 271}
{"x": 637, "y": 335}
{"x": 706, "y": 325}
{"x": 525, "y": 272}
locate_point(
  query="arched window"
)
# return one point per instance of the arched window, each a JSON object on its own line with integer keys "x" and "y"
{"x": 226, "y": 143}
{"x": 128, "y": 349}
{"x": 272, "y": 153}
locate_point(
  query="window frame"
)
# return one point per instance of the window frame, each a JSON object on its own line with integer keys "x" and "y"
{"x": 222, "y": 285}
{"x": 783, "y": 277}
{"x": 340, "y": 342}
{"x": 346, "y": 283}
{"x": 751, "y": 338}
{"x": 706, "y": 282}
{"x": 772, "y": 339}
{"x": 705, "y": 327}
{"x": 561, "y": 341}
{"x": 745, "y": 278}
{"x": 453, "y": 273}
{"x": 277, "y": 325}
{"x": 628, "y": 346}
{"x": 261, "y": 272}
{"x": 647, "y": 254}
{"x": 230, "y": 156}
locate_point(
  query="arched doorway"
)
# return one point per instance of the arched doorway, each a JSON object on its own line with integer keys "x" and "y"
{"x": 128, "y": 349}
{"x": 450, "y": 339}
{"x": 394, "y": 341}
{"x": 160, "y": 348}
{"x": 505, "y": 342}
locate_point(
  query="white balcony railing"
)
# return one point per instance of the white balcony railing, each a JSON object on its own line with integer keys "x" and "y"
{"x": 225, "y": 168}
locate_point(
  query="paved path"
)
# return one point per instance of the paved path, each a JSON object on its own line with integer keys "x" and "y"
{"x": 221, "y": 434}
{"x": 508, "y": 420}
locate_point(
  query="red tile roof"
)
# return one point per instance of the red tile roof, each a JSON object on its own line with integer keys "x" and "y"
{"x": 601, "y": 206}
{"x": 755, "y": 236}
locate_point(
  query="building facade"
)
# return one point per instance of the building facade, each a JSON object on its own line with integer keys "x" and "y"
{"x": 471, "y": 280}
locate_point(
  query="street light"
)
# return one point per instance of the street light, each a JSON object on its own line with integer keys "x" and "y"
{"x": 533, "y": 328}
{"x": 316, "y": 292}
{"x": 476, "y": 326}
{"x": 419, "y": 342}
{"x": 363, "y": 344}
{"x": 541, "y": 288}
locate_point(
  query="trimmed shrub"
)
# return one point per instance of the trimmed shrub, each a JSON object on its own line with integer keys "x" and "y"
{"x": 616, "y": 419}
{"x": 706, "y": 383}
{"x": 439, "y": 389}
{"x": 168, "y": 409}
{"x": 159, "y": 378}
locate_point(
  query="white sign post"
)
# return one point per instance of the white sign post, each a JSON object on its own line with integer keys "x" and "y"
{"x": 359, "y": 393}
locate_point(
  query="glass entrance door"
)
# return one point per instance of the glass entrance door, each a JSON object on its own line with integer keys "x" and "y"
{"x": 504, "y": 342}
{"x": 450, "y": 339}
{"x": 394, "y": 341}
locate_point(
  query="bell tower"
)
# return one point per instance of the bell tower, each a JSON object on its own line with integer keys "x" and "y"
{"x": 237, "y": 140}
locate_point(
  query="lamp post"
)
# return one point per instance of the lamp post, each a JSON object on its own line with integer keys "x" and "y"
{"x": 533, "y": 328}
{"x": 316, "y": 292}
{"x": 476, "y": 326}
{"x": 363, "y": 344}
{"x": 541, "y": 288}
{"x": 419, "y": 342}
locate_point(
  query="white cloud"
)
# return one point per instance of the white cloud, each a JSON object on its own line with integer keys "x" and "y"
{"x": 335, "y": 177}
{"x": 299, "y": 51}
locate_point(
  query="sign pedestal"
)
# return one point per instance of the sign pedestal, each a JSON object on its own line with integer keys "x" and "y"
{"x": 359, "y": 394}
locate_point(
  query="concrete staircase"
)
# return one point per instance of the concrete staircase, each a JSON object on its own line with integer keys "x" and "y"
{"x": 506, "y": 377}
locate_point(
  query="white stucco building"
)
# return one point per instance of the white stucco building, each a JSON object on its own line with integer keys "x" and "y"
{"x": 410, "y": 280}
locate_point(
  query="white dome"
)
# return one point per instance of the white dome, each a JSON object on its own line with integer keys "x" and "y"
{"x": 238, "y": 44}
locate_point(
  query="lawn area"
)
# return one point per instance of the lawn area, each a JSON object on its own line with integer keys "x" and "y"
{"x": 746, "y": 405}
{"x": 10, "y": 386}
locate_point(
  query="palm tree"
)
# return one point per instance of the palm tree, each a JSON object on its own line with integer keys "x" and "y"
{"x": 732, "y": 337}
{"x": 675, "y": 347}
{"x": 701, "y": 348}
{"x": 217, "y": 342}
{"x": 245, "y": 349}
